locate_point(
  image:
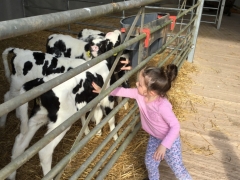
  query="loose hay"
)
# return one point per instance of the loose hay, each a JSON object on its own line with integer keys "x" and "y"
{"x": 130, "y": 165}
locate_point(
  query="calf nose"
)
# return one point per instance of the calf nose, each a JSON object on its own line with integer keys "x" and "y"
{"x": 94, "y": 48}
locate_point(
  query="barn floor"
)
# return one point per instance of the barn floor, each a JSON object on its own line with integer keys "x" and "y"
{"x": 211, "y": 139}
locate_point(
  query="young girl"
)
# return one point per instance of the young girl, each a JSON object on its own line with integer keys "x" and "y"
{"x": 157, "y": 119}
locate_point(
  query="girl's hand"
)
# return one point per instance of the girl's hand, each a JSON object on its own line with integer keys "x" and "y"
{"x": 97, "y": 89}
{"x": 160, "y": 153}
{"x": 126, "y": 65}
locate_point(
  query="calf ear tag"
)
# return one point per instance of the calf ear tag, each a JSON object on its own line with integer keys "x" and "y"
{"x": 88, "y": 54}
{"x": 115, "y": 54}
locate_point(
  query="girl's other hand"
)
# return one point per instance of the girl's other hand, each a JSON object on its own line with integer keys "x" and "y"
{"x": 126, "y": 65}
{"x": 160, "y": 153}
{"x": 97, "y": 89}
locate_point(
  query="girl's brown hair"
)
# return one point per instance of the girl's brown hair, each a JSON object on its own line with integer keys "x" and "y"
{"x": 159, "y": 79}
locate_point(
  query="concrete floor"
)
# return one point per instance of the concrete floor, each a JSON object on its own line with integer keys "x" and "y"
{"x": 211, "y": 136}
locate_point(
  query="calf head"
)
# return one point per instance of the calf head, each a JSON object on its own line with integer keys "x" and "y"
{"x": 113, "y": 39}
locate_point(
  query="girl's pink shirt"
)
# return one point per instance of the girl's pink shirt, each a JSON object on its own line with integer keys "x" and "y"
{"x": 157, "y": 117}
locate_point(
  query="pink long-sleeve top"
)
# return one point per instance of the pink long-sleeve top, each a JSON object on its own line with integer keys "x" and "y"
{"x": 157, "y": 117}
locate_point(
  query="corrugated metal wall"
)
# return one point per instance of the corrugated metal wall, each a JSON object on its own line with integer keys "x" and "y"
{"x": 13, "y": 9}
{"x": 10, "y": 9}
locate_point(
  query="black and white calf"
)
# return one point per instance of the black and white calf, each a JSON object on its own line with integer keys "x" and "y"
{"x": 58, "y": 104}
{"x": 89, "y": 34}
{"x": 28, "y": 65}
{"x": 67, "y": 46}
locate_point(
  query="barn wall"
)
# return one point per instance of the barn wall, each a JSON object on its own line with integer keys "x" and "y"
{"x": 13, "y": 9}
{"x": 10, "y": 9}
{"x": 49, "y": 6}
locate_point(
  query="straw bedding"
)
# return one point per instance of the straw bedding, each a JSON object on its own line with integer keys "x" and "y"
{"x": 130, "y": 165}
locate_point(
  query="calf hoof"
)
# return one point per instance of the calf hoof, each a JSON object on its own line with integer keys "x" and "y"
{"x": 115, "y": 137}
{"x": 87, "y": 131}
{"x": 12, "y": 176}
{"x": 126, "y": 106}
{"x": 99, "y": 133}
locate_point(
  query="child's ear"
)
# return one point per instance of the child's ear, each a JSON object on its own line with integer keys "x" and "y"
{"x": 153, "y": 93}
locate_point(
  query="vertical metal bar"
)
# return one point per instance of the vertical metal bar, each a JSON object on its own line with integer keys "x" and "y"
{"x": 140, "y": 51}
{"x": 82, "y": 168}
{"x": 195, "y": 33}
{"x": 221, "y": 14}
{"x": 109, "y": 165}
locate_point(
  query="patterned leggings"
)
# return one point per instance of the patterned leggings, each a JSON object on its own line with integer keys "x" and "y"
{"x": 173, "y": 157}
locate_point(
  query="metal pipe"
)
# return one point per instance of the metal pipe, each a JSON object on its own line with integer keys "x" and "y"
{"x": 110, "y": 163}
{"x": 181, "y": 61}
{"x": 108, "y": 153}
{"x": 221, "y": 14}
{"x": 82, "y": 168}
{"x": 188, "y": 46}
{"x": 195, "y": 34}
{"x": 164, "y": 8}
{"x": 27, "y": 25}
{"x": 170, "y": 41}
{"x": 170, "y": 54}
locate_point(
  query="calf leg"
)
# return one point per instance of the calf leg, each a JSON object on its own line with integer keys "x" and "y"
{"x": 98, "y": 114}
{"x": 45, "y": 154}
{"x": 111, "y": 122}
{"x": 22, "y": 140}
{"x": 83, "y": 119}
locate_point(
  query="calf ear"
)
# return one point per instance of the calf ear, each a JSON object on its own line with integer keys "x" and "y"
{"x": 102, "y": 34}
{"x": 80, "y": 34}
{"x": 87, "y": 47}
{"x": 118, "y": 41}
{"x": 109, "y": 45}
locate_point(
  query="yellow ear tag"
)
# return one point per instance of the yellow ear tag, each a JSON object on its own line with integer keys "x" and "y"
{"x": 115, "y": 54}
{"x": 88, "y": 54}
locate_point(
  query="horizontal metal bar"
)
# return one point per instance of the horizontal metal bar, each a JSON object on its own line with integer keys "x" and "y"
{"x": 164, "y": 8}
{"x": 213, "y": 15}
{"x": 107, "y": 154}
{"x": 124, "y": 145}
{"x": 210, "y": 22}
{"x": 187, "y": 46}
{"x": 209, "y": 8}
{"x": 82, "y": 168}
{"x": 16, "y": 27}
